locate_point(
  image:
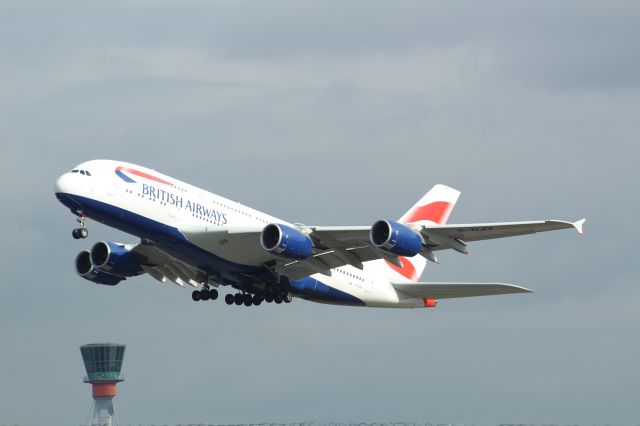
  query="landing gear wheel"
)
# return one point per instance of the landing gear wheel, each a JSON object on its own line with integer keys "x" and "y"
{"x": 237, "y": 299}
{"x": 247, "y": 299}
{"x": 204, "y": 295}
{"x": 83, "y": 232}
{"x": 287, "y": 298}
{"x": 268, "y": 298}
{"x": 76, "y": 234}
{"x": 278, "y": 300}
{"x": 228, "y": 299}
{"x": 257, "y": 300}
{"x": 195, "y": 295}
{"x": 213, "y": 294}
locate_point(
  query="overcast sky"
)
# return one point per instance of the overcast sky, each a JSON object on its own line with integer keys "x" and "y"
{"x": 331, "y": 114}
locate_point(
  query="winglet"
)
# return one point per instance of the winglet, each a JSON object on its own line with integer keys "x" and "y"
{"x": 578, "y": 225}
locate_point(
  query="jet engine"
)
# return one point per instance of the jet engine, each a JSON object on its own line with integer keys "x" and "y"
{"x": 86, "y": 270}
{"x": 116, "y": 259}
{"x": 395, "y": 238}
{"x": 285, "y": 241}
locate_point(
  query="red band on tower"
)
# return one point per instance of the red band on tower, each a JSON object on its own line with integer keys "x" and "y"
{"x": 104, "y": 389}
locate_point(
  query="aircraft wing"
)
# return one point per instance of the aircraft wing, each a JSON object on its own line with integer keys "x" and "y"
{"x": 333, "y": 247}
{"x": 350, "y": 245}
{"x": 438, "y": 235}
{"x": 455, "y": 290}
{"x": 164, "y": 267}
{"x": 336, "y": 246}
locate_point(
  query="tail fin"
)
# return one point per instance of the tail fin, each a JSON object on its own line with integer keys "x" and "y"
{"x": 435, "y": 206}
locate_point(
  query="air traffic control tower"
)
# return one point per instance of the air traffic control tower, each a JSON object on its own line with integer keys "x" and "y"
{"x": 103, "y": 362}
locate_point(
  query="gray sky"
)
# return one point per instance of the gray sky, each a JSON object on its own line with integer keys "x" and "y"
{"x": 331, "y": 113}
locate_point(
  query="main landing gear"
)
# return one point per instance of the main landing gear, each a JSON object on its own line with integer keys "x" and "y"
{"x": 206, "y": 293}
{"x": 276, "y": 294}
{"x": 247, "y": 299}
{"x": 272, "y": 294}
{"x": 82, "y": 232}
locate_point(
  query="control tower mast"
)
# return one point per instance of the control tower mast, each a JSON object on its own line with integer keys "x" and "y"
{"x": 103, "y": 362}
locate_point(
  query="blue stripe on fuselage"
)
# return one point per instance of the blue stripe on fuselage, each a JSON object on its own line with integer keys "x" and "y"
{"x": 312, "y": 289}
{"x": 173, "y": 242}
{"x": 124, "y": 177}
{"x": 165, "y": 237}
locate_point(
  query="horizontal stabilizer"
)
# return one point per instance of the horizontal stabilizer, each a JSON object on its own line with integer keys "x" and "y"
{"x": 423, "y": 290}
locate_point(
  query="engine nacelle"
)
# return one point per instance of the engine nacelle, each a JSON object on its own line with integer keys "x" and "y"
{"x": 395, "y": 238}
{"x": 285, "y": 241}
{"x": 86, "y": 270}
{"x": 115, "y": 259}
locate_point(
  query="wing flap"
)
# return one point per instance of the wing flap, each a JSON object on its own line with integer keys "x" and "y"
{"x": 163, "y": 267}
{"x": 442, "y": 290}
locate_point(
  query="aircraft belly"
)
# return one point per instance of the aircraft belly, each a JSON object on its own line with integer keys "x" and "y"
{"x": 165, "y": 237}
{"x": 242, "y": 249}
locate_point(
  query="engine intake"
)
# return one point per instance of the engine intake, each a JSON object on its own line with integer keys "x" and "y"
{"x": 395, "y": 238}
{"x": 284, "y": 241}
{"x": 86, "y": 270}
{"x": 115, "y": 259}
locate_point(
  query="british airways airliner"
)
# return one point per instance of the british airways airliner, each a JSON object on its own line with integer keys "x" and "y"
{"x": 192, "y": 237}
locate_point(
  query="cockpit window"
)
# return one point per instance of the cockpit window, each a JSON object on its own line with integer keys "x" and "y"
{"x": 82, "y": 172}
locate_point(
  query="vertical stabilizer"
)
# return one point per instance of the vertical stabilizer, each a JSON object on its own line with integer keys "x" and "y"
{"x": 436, "y": 206}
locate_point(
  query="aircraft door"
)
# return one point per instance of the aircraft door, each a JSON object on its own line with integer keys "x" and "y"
{"x": 172, "y": 212}
{"x": 368, "y": 286}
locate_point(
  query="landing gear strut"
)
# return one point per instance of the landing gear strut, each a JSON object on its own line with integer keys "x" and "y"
{"x": 81, "y": 232}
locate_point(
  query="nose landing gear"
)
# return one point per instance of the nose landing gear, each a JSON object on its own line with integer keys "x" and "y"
{"x": 82, "y": 232}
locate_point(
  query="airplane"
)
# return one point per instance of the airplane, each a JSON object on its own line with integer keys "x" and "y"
{"x": 195, "y": 238}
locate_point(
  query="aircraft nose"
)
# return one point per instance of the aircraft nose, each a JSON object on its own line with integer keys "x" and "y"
{"x": 65, "y": 192}
{"x": 63, "y": 184}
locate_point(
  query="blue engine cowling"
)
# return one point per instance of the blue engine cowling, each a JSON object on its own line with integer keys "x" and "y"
{"x": 285, "y": 241}
{"x": 115, "y": 259}
{"x": 395, "y": 238}
{"x": 86, "y": 270}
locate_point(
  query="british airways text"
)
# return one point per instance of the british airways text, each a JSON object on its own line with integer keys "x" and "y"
{"x": 178, "y": 201}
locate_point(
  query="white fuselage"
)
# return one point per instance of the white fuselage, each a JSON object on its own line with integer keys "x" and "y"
{"x": 147, "y": 204}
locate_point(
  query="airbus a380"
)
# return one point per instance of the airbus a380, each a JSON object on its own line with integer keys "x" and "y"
{"x": 192, "y": 237}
